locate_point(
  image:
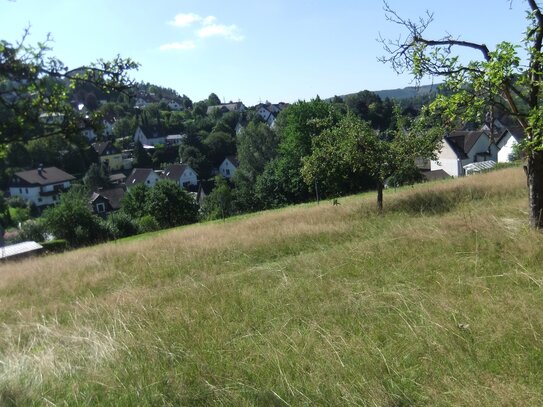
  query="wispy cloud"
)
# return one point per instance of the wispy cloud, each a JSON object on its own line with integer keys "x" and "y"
{"x": 178, "y": 46}
{"x": 185, "y": 19}
{"x": 230, "y": 32}
{"x": 209, "y": 27}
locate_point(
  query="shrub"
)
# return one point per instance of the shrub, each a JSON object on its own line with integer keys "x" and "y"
{"x": 147, "y": 224}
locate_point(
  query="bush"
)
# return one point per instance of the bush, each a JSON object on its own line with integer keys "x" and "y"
{"x": 16, "y": 202}
{"x": 55, "y": 246}
{"x": 147, "y": 224}
{"x": 33, "y": 230}
{"x": 122, "y": 225}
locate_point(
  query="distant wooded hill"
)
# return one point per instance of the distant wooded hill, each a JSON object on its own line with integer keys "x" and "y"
{"x": 404, "y": 93}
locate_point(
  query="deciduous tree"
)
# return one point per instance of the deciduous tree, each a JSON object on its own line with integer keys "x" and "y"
{"x": 498, "y": 78}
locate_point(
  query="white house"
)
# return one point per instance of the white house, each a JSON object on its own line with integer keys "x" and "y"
{"x": 41, "y": 186}
{"x": 145, "y": 176}
{"x": 149, "y": 135}
{"x": 182, "y": 174}
{"x": 173, "y": 105}
{"x": 228, "y": 167}
{"x": 507, "y": 142}
{"x": 464, "y": 147}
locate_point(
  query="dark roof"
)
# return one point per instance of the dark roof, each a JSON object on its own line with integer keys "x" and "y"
{"x": 112, "y": 195}
{"x": 47, "y": 176}
{"x": 152, "y": 131}
{"x": 435, "y": 175}
{"x": 175, "y": 171}
{"x": 233, "y": 160}
{"x": 516, "y": 131}
{"x": 138, "y": 176}
{"x": 100, "y": 148}
{"x": 463, "y": 141}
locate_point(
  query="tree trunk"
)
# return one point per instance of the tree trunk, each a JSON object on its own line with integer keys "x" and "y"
{"x": 534, "y": 172}
{"x": 380, "y": 187}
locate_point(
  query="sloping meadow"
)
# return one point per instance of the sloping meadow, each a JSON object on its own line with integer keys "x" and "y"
{"x": 437, "y": 301}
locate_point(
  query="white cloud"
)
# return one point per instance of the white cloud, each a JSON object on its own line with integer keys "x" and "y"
{"x": 186, "y": 19}
{"x": 230, "y": 32}
{"x": 208, "y": 27}
{"x": 209, "y": 20}
{"x": 178, "y": 46}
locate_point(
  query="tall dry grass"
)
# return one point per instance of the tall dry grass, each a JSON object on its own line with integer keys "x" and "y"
{"x": 436, "y": 302}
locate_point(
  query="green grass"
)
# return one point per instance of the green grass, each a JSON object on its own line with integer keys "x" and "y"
{"x": 436, "y": 302}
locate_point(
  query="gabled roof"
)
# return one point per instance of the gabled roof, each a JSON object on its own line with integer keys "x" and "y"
{"x": 112, "y": 195}
{"x": 463, "y": 141}
{"x": 46, "y": 176}
{"x": 138, "y": 176}
{"x": 100, "y": 148}
{"x": 152, "y": 131}
{"x": 175, "y": 171}
{"x": 233, "y": 160}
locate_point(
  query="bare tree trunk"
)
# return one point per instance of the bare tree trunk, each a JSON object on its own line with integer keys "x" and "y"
{"x": 380, "y": 187}
{"x": 535, "y": 188}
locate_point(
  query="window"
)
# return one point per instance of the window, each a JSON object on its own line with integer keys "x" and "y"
{"x": 227, "y": 171}
{"x": 100, "y": 207}
{"x": 26, "y": 190}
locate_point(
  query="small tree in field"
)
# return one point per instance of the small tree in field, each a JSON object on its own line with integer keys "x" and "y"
{"x": 352, "y": 146}
{"x": 496, "y": 79}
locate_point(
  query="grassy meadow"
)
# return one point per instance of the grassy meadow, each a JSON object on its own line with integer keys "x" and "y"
{"x": 438, "y": 302}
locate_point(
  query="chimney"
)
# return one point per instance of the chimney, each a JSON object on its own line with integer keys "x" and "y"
{"x": 40, "y": 169}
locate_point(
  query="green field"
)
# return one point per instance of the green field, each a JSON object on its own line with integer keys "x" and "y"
{"x": 438, "y": 301}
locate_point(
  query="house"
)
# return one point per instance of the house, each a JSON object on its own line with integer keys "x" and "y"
{"x": 149, "y": 135}
{"x": 111, "y": 158}
{"x": 460, "y": 148}
{"x": 227, "y": 107}
{"x": 181, "y": 174}
{"x": 269, "y": 112}
{"x": 228, "y": 167}
{"x": 173, "y": 105}
{"x": 108, "y": 200}
{"x": 175, "y": 139}
{"x": 41, "y": 186}
{"x": 507, "y": 141}
{"x": 145, "y": 176}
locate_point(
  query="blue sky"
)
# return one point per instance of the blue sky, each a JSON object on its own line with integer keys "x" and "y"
{"x": 278, "y": 50}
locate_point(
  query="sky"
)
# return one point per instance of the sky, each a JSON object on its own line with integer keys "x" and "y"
{"x": 252, "y": 51}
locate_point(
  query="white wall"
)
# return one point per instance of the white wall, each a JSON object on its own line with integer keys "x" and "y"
{"x": 447, "y": 161}
{"x": 227, "y": 169}
{"x": 506, "y": 148}
{"x": 188, "y": 176}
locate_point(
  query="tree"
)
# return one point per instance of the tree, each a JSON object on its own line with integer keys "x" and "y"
{"x": 218, "y": 204}
{"x": 34, "y": 90}
{"x": 142, "y": 158}
{"x": 95, "y": 177}
{"x": 495, "y": 80}
{"x": 73, "y": 220}
{"x": 352, "y": 146}
{"x": 134, "y": 202}
{"x": 256, "y": 145}
{"x": 171, "y": 205}
{"x": 213, "y": 100}
{"x": 219, "y": 145}
{"x": 297, "y": 125}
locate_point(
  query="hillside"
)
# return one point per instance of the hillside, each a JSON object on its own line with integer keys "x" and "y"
{"x": 436, "y": 302}
{"x": 409, "y": 92}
